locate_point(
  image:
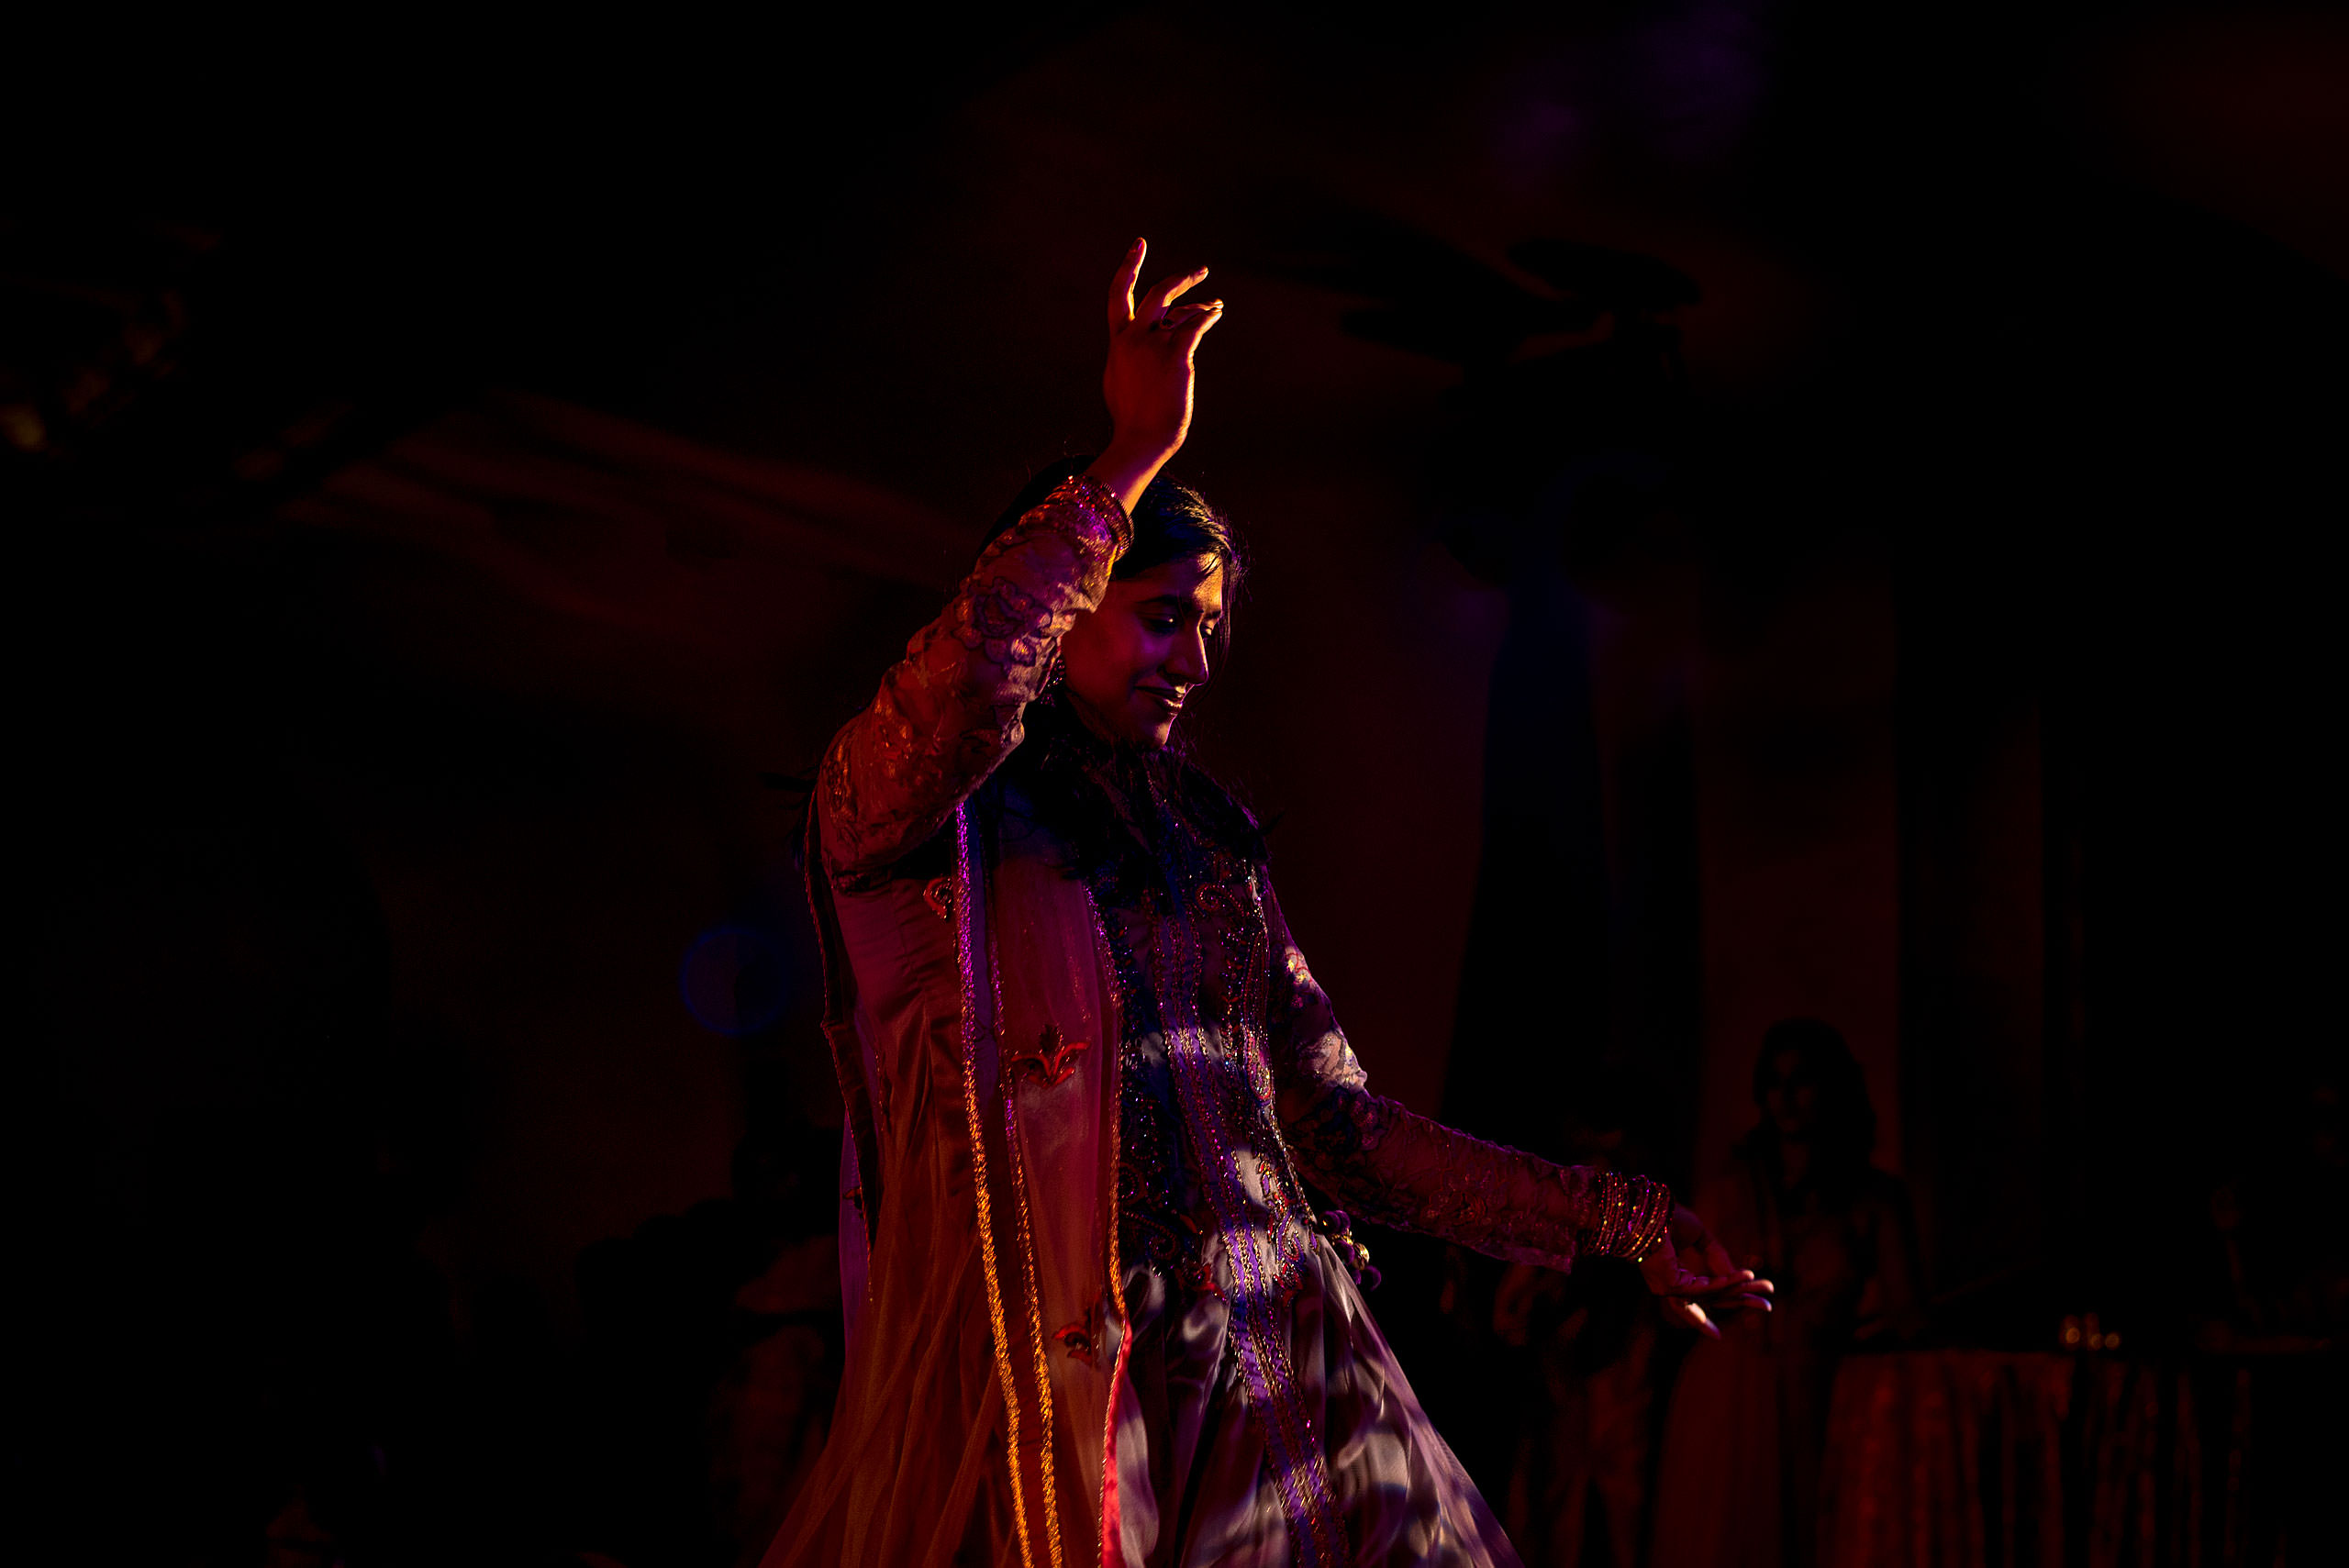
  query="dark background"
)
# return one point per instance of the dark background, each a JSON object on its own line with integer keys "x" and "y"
{"x": 447, "y": 467}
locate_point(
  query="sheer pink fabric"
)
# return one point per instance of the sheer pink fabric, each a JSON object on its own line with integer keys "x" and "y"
{"x": 918, "y": 1470}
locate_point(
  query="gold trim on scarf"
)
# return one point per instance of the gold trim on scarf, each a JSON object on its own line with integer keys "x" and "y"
{"x": 1048, "y": 1480}
{"x": 965, "y": 904}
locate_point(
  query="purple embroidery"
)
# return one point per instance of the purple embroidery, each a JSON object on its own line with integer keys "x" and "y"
{"x": 1266, "y": 1248}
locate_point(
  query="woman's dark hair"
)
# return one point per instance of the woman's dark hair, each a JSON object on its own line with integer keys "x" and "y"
{"x": 1846, "y": 1131}
{"x": 1173, "y": 522}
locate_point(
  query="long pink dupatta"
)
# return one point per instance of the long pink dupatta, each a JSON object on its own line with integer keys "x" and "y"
{"x": 985, "y": 1337}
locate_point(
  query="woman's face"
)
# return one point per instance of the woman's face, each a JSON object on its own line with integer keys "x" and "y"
{"x": 1134, "y": 661}
{"x": 1790, "y": 1098}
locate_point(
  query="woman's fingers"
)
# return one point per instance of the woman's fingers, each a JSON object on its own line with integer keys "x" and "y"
{"x": 1188, "y": 332}
{"x": 1739, "y": 1279}
{"x": 1121, "y": 287}
{"x": 1732, "y": 1291}
{"x": 1688, "y": 1310}
{"x": 1681, "y": 1310}
{"x": 1168, "y": 290}
{"x": 1688, "y": 1280}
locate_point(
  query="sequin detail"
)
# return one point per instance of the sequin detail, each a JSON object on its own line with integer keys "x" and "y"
{"x": 1258, "y": 1219}
{"x": 1201, "y": 1141}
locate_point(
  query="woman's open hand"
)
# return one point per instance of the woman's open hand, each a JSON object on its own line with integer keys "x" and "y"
{"x": 1148, "y": 382}
{"x": 1688, "y": 1271}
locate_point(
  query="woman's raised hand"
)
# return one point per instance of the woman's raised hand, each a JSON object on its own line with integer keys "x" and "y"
{"x": 1148, "y": 382}
{"x": 1688, "y": 1271}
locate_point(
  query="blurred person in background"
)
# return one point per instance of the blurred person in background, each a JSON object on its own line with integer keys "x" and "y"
{"x": 1802, "y": 1202}
{"x": 1586, "y": 1455}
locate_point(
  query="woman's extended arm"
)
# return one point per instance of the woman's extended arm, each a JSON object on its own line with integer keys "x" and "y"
{"x": 1393, "y": 1167}
{"x": 949, "y": 712}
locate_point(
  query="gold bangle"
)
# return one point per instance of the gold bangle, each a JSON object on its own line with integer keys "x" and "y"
{"x": 1654, "y": 1222}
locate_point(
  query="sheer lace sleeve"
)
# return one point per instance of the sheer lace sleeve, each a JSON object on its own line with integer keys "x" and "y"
{"x": 1392, "y": 1167}
{"x": 949, "y": 712}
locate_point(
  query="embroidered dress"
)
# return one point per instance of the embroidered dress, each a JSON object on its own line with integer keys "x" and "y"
{"x": 1095, "y": 1313}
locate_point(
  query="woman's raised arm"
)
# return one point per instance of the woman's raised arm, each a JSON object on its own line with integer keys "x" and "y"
{"x": 949, "y": 712}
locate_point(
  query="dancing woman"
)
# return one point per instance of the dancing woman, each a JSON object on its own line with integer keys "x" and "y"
{"x": 1095, "y": 1316}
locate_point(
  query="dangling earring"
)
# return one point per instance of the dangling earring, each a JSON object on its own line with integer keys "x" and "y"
{"x": 1055, "y": 677}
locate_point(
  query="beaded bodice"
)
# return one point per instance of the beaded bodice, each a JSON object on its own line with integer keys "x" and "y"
{"x": 1178, "y": 1101}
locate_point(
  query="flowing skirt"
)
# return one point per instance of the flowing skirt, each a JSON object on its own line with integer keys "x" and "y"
{"x": 1195, "y": 1489}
